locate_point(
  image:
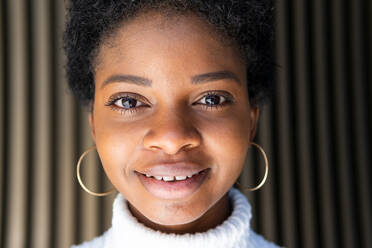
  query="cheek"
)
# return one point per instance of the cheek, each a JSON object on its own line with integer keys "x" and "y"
{"x": 116, "y": 144}
{"x": 227, "y": 141}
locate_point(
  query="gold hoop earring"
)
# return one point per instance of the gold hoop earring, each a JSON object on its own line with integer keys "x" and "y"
{"x": 266, "y": 170}
{"x": 79, "y": 178}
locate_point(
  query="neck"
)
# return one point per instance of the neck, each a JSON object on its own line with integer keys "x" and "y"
{"x": 217, "y": 214}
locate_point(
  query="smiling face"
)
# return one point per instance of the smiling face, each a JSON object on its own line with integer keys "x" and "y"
{"x": 171, "y": 100}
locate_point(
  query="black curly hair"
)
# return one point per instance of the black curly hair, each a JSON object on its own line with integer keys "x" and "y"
{"x": 247, "y": 23}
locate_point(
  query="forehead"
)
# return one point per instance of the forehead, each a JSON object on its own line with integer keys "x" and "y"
{"x": 152, "y": 40}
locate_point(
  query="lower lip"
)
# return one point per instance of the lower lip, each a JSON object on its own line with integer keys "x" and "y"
{"x": 173, "y": 189}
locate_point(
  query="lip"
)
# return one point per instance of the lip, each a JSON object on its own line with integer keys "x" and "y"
{"x": 172, "y": 189}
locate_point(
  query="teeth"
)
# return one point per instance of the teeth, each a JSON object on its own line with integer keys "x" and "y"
{"x": 168, "y": 178}
{"x": 181, "y": 177}
{"x": 171, "y": 178}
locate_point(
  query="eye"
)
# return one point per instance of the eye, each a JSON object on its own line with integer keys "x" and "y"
{"x": 128, "y": 103}
{"x": 124, "y": 102}
{"x": 215, "y": 99}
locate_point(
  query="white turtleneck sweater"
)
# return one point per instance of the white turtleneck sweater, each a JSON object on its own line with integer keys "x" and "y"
{"x": 234, "y": 232}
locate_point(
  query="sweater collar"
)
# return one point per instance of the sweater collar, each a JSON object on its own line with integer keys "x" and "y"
{"x": 126, "y": 230}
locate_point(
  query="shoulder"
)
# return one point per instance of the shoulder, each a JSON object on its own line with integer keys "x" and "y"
{"x": 256, "y": 240}
{"x": 97, "y": 242}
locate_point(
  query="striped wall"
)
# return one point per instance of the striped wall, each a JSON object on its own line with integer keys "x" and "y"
{"x": 316, "y": 132}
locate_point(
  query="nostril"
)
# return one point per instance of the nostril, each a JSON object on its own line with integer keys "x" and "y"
{"x": 188, "y": 146}
{"x": 154, "y": 148}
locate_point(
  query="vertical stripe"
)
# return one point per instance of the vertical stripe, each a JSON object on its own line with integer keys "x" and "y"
{"x": 43, "y": 148}
{"x": 367, "y": 48}
{"x": 334, "y": 167}
{"x": 342, "y": 155}
{"x": 31, "y": 124}
{"x": 65, "y": 218}
{"x": 359, "y": 143}
{"x": 367, "y": 92}
{"x": 350, "y": 123}
{"x": 313, "y": 156}
{"x": 52, "y": 15}
{"x": 293, "y": 125}
{"x": 324, "y": 177}
{"x": 16, "y": 236}
{"x": 302, "y": 133}
{"x": 282, "y": 108}
{"x": 275, "y": 176}
{"x": 3, "y": 121}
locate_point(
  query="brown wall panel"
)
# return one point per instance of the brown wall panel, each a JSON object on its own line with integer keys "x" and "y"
{"x": 18, "y": 155}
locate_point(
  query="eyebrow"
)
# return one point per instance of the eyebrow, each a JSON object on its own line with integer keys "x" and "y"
{"x": 127, "y": 79}
{"x": 214, "y": 76}
{"x": 197, "y": 79}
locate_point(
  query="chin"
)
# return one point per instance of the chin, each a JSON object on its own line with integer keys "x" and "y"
{"x": 172, "y": 221}
{"x": 175, "y": 215}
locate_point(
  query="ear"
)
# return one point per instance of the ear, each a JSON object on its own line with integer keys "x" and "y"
{"x": 254, "y": 115}
{"x": 92, "y": 127}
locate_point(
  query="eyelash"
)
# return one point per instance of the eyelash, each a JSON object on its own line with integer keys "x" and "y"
{"x": 113, "y": 99}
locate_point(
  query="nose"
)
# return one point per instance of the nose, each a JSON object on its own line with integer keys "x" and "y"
{"x": 171, "y": 133}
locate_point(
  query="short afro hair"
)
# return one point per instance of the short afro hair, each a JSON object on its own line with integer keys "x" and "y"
{"x": 247, "y": 23}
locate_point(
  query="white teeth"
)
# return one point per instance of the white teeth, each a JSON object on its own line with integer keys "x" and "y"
{"x": 168, "y": 178}
{"x": 171, "y": 178}
{"x": 158, "y": 177}
{"x": 181, "y": 177}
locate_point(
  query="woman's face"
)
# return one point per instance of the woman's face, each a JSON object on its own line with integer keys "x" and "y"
{"x": 171, "y": 100}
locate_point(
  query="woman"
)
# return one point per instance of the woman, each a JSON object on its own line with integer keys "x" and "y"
{"x": 174, "y": 89}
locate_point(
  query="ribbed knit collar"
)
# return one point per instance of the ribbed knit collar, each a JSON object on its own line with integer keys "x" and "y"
{"x": 233, "y": 232}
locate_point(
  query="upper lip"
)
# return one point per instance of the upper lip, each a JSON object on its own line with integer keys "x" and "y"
{"x": 181, "y": 168}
